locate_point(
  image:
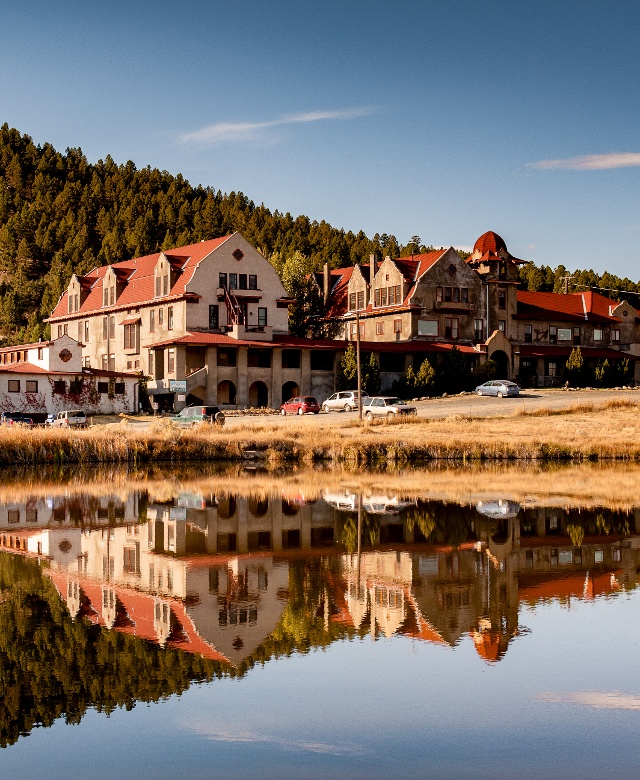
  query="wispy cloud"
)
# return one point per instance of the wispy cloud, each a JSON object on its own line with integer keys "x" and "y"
{"x": 231, "y": 735}
{"x": 601, "y": 700}
{"x": 246, "y": 131}
{"x": 590, "y": 162}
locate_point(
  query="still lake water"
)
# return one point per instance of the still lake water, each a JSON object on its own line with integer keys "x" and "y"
{"x": 237, "y": 624}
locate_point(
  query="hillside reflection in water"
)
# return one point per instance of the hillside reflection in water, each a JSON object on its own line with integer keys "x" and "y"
{"x": 129, "y": 589}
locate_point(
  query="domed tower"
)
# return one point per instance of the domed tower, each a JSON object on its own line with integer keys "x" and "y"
{"x": 499, "y": 270}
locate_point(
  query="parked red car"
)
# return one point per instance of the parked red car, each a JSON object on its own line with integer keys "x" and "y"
{"x": 302, "y": 404}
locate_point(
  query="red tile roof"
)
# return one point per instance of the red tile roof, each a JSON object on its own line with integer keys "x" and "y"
{"x": 30, "y": 368}
{"x": 573, "y": 307}
{"x": 283, "y": 341}
{"x": 139, "y": 277}
{"x": 490, "y": 242}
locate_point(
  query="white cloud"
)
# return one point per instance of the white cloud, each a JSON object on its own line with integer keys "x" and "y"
{"x": 602, "y": 700}
{"x": 246, "y": 131}
{"x": 590, "y": 162}
{"x": 229, "y": 734}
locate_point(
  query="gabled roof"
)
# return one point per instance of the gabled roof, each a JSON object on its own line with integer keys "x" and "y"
{"x": 139, "y": 277}
{"x": 577, "y": 306}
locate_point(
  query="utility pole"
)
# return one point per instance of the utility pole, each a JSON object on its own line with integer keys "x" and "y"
{"x": 566, "y": 280}
{"x": 358, "y": 365}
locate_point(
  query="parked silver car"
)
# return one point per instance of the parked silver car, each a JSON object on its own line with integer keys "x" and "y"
{"x": 388, "y": 406}
{"x": 345, "y": 400}
{"x": 499, "y": 387}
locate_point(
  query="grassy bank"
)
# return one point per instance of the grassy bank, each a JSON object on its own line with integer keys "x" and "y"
{"x": 585, "y": 432}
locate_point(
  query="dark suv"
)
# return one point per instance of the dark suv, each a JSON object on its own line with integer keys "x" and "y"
{"x": 15, "y": 418}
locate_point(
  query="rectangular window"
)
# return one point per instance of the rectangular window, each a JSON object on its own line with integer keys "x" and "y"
{"x": 160, "y": 316}
{"x": 14, "y": 385}
{"x": 165, "y": 285}
{"x": 352, "y": 331}
{"x": 150, "y": 361}
{"x": 383, "y": 296}
{"x": 86, "y": 331}
{"x": 576, "y": 334}
{"x": 112, "y": 362}
{"x": 362, "y": 330}
{"x": 253, "y": 282}
{"x": 439, "y": 294}
{"x": 40, "y": 353}
{"x": 361, "y": 299}
{"x": 214, "y": 316}
{"x": 243, "y": 282}
{"x": 158, "y": 286}
{"x": 105, "y": 328}
{"x": 222, "y": 280}
{"x": 379, "y": 328}
{"x": 464, "y": 294}
{"x": 597, "y": 334}
{"x": 65, "y": 329}
{"x": 615, "y": 334}
{"x": 291, "y": 358}
{"x": 456, "y": 295}
{"x": 87, "y": 362}
{"x": 528, "y": 334}
{"x": 552, "y": 368}
{"x": 450, "y": 328}
{"x": 398, "y": 294}
{"x": 376, "y": 297}
{"x": 105, "y": 296}
{"x": 227, "y": 356}
{"x": 553, "y": 334}
{"x": 59, "y": 387}
{"x": 259, "y": 358}
{"x": 80, "y": 330}
{"x": 352, "y": 301}
{"x": 427, "y": 328}
{"x": 152, "y": 321}
{"x": 105, "y": 362}
{"x": 119, "y": 388}
{"x": 59, "y": 331}
{"x": 397, "y": 326}
{"x": 262, "y": 316}
{"x": 171, "y": 361}
{"x": 564, "y": 334}
{"x": 502, "y": 325}
{"x": 112, "y": 295}
{"x": 130, "y": 336}
{"x": 103, "y": 388}
{"x": 169, "y": 317}
{"x": 233, "y": 281}
{"x": 478, "y": 329}
{"x": 502, "y": 299}
{"x": 112, "y": 327}
{"x": 322, "y": 360}
{"x": 448, "y": 294}
{"x": 32, "y": 385}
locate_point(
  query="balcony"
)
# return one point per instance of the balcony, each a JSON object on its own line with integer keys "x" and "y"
{"x": 250, "y": 332}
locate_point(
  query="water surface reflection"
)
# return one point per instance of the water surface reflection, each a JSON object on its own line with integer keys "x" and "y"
{"x": 131, "y": 587}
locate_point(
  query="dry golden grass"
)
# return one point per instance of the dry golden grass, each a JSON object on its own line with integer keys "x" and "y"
{"x": 585, "y": 432}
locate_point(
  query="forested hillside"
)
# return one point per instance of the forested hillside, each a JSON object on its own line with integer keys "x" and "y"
{"x": 60, "y": 214}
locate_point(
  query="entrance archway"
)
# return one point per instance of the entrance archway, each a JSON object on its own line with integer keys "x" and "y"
{"x": 258, "y": 395}
{"x": 227, "y": 393}
{"x": 501, "y": 359}
{"x": 290, "y": 390}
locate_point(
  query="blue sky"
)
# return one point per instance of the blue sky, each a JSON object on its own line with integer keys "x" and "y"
{"x": 442, "y": 119}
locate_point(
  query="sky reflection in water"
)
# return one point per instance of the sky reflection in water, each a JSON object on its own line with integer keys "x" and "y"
{"x": 485, "y": 638}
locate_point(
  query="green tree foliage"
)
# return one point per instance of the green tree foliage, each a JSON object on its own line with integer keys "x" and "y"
{"x": 370, "y": 374}
{"x": 575, "y": 369}
{"x": 347, "y": 373}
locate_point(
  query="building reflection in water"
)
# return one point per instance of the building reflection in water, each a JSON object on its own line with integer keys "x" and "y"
{"x": 213, "y": 574}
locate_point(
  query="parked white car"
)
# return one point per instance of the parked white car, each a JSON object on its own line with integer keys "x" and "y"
{"x": 72, "y": 418}
{"x": 388, "y": 406}
{"x": 345, "y": 400}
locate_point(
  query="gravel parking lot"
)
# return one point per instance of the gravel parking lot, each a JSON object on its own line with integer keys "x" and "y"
{"x": 468, "y": 405}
